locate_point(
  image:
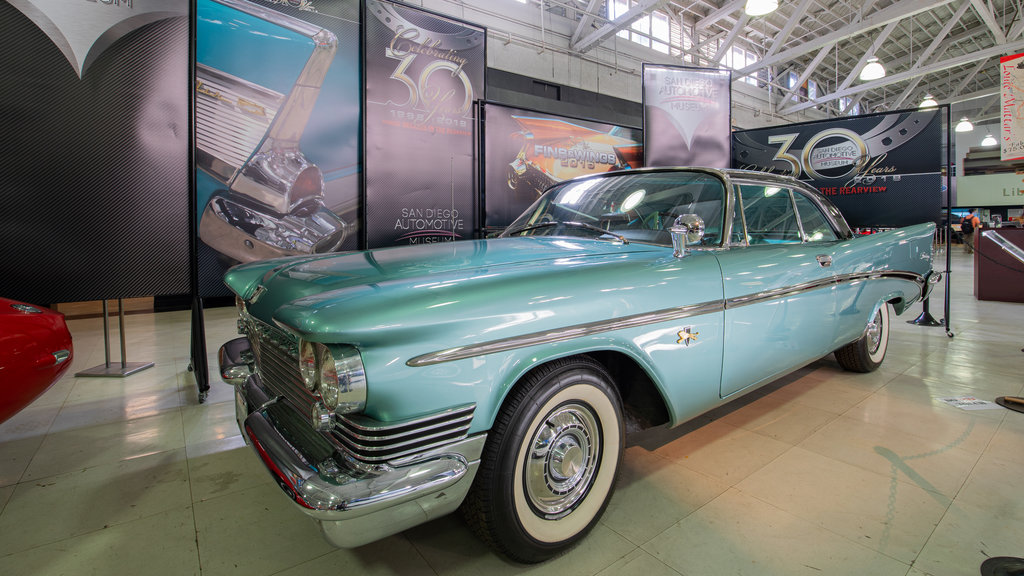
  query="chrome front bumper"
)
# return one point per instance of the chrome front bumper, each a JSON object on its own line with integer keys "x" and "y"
{"x": 353, "y": 502}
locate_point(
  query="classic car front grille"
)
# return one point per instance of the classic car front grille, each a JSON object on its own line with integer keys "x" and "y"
{"x": 365, "y": 439}
{"x": 371, "y": 441}
{"x": 277, "y": 361}
{"x": 232, "y": 117}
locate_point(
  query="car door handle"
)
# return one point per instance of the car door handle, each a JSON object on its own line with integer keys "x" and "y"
{"x": 824, "y": 259}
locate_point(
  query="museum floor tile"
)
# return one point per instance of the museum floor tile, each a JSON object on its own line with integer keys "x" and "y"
{"x": 820, "y": 472}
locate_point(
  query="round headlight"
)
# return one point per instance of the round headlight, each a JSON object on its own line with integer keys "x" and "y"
{"x": 307, "y": 364}
{"x": 329, "y": 385}
{"x": 342, "y": 383}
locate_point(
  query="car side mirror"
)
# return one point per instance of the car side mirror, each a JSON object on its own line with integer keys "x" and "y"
{"x": 687, "y": 229}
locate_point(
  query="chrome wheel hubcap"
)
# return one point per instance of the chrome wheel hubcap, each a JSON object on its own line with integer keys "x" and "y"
{"x": 874, "y": 333}
{"x": 562, "y": 461}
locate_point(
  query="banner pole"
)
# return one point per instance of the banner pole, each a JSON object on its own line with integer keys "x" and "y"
{"x": 949, "y": 216}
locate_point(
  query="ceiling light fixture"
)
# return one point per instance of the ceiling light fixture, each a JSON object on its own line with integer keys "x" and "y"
{"x": 873, "y": 70}
{"x": 989, "y": 140}
{"x": 964, "y": 125}
{"x": 928, "y": 102}
{"x": 760, "y": 7}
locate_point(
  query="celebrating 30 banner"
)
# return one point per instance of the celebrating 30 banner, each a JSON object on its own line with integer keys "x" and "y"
{"x": 423, "y": 74}
{"x": 882, "y": 170}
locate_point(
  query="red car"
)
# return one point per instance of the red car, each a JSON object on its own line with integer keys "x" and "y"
{"x": 35, "y": 350}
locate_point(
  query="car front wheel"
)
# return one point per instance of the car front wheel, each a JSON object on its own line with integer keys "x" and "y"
{"x": 867, "y": 353}
{"x": 550, "y": 463}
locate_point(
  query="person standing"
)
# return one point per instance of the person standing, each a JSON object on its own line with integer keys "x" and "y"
{"x": 969, "y": 226}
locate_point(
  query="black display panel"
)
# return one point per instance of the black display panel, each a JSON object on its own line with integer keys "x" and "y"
{"x": 94, "y": 156}
{"x": 883, "y": 170}
{"x": 526, "y": 151}
{"x": 423, "y": 72}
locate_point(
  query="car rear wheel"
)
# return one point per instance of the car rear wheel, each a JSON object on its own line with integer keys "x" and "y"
{"x": 550, "y": 463}
{"x": 867, "y": 353}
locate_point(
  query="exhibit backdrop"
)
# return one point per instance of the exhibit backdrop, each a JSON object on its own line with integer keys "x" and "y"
{"x": 94, "y": 157}
{"x": 1011, "y": 140}
{"x": 422, "y": 74}
{"x": 687, "y": 116}
{"x": 277, "y": 131}
{"x": 526, "y": 151}
{"x": 882, "y": 170}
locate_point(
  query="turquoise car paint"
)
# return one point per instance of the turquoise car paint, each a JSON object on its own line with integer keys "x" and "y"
{"x": 233, "y": 41}
{"x": 450, "y": 325}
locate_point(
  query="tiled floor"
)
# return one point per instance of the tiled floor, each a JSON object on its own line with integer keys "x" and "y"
{"x": 822, "y": 472}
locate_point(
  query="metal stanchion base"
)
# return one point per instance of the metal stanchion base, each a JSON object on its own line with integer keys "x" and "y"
{"x": 115, "y": 370}
{"x": 926, "y": 319}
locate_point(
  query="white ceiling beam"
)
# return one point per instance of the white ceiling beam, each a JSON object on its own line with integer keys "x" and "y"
{"x": 1016, "y": 29}
{"x": 716, "y": 15}
{"x": 879, "y": 40}
{"x": 613, "y": 27}
{"x": 807, "y": 74}
{"x": 970, "y": 76}
{"x": 936, "y": 42}
{"x": 893, "y": 78}
{"x": 794, "y": 19}
{"x": 585, "y": 21}
{"x": 723, "y": 48}
{"x": 985, "y": 13}
{"x": 893, "y": 13}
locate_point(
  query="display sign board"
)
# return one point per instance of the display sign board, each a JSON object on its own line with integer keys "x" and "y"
{"x": 881, "y": 170}
{"x": 527, "y": 151}
{"x": 1006, "y": 189}
{"x": 1011, "y": 73}
{"x": 687, "y": 116}
{"x": 277, "y": 131}
{"x": 94, "y": 193}
{"x": 423, "y": 73}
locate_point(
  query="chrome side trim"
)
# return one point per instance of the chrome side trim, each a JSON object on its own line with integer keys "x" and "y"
{"x": 658, "y": 316}
{"x": 566, "y": 333}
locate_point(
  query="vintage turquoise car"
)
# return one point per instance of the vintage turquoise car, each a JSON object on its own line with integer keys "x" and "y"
{"x": 500, "y": 376}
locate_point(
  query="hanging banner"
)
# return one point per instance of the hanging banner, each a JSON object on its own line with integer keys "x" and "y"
{"x": 423, "y": 73}
{"x": 1011, "y": 73}
{"x": 687, "y": 116}
{"x": 527, "y": 151}
{"x": 882, "y": 170}
{"x": 94, "y": 193}
{"x": 277, "y": 131}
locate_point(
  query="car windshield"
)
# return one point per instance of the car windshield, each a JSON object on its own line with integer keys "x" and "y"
{"x": 629, "y": 207}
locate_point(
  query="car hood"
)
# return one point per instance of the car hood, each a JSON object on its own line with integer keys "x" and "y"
{"x": 480, "y": 289}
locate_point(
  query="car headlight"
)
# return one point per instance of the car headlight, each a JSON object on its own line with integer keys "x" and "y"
{"x": 307, "y": 364}
{"x": 335, "y": 373}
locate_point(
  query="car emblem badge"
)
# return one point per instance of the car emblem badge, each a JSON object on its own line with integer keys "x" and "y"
{"x": 686, "y": 335}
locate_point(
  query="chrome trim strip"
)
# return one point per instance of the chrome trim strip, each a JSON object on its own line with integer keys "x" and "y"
{"x": 566, "y": 333}
{"x": 658, "y": 316}
{"x": 464, "y": 412}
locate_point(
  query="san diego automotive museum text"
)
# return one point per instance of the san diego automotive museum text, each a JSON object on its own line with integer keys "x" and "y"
{"x": 429, "y": 219}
